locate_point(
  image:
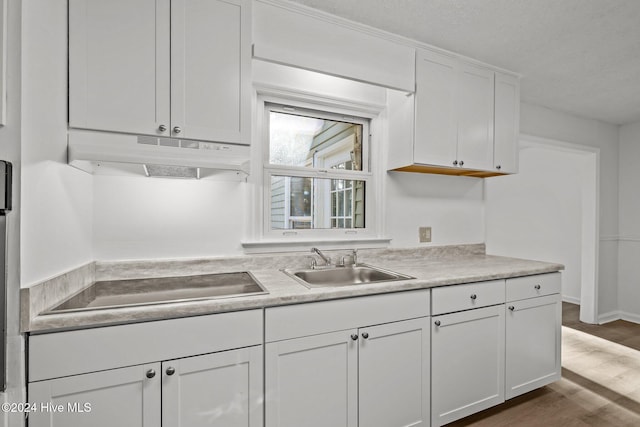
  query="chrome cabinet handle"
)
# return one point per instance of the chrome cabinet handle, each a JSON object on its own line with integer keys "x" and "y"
{"x": 474, "y": 296}
{"x": 365, "y": 335}
{"x": 354, "y": 337}
{"x": 537, "y": 287}
{"x": 498, "y": 167}
{"x": 437, "y": 323}
{"x": 511, "y": 308}
{"x": 171, "y": 370}
{"x": 461, "y": 163}
{"x": 177, "y": 129}
{"x": 162, "y": 128}
{"x": 151, "y": 373}
{"x": 455, "y": 163}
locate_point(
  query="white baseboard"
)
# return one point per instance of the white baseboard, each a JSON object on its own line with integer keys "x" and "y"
{"x": 572, "y": 300}
{"x": 608, "y": 317}
{"x": 630, "y": 317}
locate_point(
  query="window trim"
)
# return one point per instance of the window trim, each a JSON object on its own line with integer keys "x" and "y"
{"x": 372, "y": 172}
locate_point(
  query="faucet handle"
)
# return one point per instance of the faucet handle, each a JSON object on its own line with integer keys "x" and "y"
{"x": 354, "y": 255}
{"x": 314, "y": 263}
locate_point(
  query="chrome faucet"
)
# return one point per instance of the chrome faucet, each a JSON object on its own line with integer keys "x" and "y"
{"x": 326, "y": 259}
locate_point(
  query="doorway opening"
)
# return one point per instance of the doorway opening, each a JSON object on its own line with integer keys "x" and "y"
{"x": 549, "y": 211}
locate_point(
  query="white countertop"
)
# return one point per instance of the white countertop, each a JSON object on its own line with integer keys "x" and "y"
{"x": 447, "y": 268}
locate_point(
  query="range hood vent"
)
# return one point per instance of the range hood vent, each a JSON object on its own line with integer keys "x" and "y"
{"x": 122, "y": 154}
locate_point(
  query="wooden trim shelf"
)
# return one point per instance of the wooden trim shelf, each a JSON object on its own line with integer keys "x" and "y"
{"x": 448, "y": 171}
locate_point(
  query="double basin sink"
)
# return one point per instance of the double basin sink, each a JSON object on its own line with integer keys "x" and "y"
{"x": 138, "y": 292}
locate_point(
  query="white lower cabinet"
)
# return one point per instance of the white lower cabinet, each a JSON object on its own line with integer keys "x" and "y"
{"x": 393, "y": 382}
{"x": 467, "y": 363}
{"x": 312, "y": 381}
{"x": 222, "y": 388}
{"x": 533, "y": 342}
{"x": 124, "y": 397}
{"x": 374, "y": 376}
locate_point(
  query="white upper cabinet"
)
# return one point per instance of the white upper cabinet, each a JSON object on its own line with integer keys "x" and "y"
{"x": 462, "y": 120}
{"x": 119, "y": 65}
{"x": 507, "y": 121}
{"x": 475, "y": 117}
{"x": 177, "y": 68}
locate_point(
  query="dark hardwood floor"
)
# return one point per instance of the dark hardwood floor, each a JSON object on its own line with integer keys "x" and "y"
{"x": 600, "y": 383}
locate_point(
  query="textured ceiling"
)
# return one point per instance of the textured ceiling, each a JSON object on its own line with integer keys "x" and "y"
{"x": 578, "y": 56}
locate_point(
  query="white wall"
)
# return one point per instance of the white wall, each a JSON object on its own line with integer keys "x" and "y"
{"x": 547, "y": 123}
{"x": 538, "y": 213}
{"x": 629, "y": 247}
{"x": 140, "y": 217}
{"x": 56, "y": 229}
{"x": 452, "y": 206}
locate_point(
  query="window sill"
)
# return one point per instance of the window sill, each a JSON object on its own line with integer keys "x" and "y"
{"x": 266, "y": 246}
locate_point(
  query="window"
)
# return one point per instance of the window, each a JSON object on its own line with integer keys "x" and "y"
{"x": 316, "y": 169}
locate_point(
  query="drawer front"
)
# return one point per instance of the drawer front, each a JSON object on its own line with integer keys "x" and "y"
{"x": 533, "y": 286}
{"x": 448, "y": 299}
{"x": 87, "y": 350}
{"x": 301, "y": 320}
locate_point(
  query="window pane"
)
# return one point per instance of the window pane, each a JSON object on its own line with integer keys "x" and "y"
{"x": 298, "y": 140}
{"x": 317, "y": 203}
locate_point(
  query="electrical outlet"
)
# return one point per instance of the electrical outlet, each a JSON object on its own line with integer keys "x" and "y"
{"x": 424, "y": 233}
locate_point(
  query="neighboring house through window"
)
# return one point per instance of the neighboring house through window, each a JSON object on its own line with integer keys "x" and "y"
{"x": 316, "y": 170}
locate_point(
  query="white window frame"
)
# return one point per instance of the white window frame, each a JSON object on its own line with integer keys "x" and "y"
{"x": 371, "y": 169}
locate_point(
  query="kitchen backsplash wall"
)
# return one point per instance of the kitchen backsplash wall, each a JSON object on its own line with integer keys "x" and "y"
{"x": 57, "y": 200}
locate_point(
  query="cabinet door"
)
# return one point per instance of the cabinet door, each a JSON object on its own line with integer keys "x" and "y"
{"x": 220, "y": 389}
{"x": 394, "y": 374}
{"x": 210, "y": 69}
{"x": 312, "y": 381}
{"x": 117, "y": 397}
{"x": 475, "y": 117}
{"x": 533, "y": 338}
{"x": 507, "y": 123}
{"x": 467, "y": 363}
{"x": 435, "y": 109}
{"x": 119, "y": 65}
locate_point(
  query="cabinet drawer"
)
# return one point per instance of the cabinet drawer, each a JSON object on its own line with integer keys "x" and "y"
{"x": 301, "y": 320}
{"x": 533, "y": 286}
{"x": 452, "y": 298}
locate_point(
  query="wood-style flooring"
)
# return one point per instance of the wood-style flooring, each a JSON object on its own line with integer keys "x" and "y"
{"x": 600, "y": 383}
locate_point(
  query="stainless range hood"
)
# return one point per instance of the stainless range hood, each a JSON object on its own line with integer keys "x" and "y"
{"x": 123, "y": 154}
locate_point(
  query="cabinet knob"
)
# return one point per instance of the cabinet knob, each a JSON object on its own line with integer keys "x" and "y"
{"x": 151, "y": 373}
{"x": 474, "y": 296}
{"x": 162, "y": 128}
{"x": 455, "y": 163}
{"x": 171, "y": 370}
{"x": 498, "y": 167}
{"x": 511, "y": 308}
{"x": 365, "y": 335}
{"x": 177, "y": 129}
{"x": 354, "y": 337}
{"x": 461, "y": 163}
{"x": 437, "y": 323}
{"x": 537, "y": 287}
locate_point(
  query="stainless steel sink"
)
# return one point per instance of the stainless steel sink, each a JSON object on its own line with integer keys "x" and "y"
{"x": 360, "y": 274}
{"x": 134, "y": 292}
